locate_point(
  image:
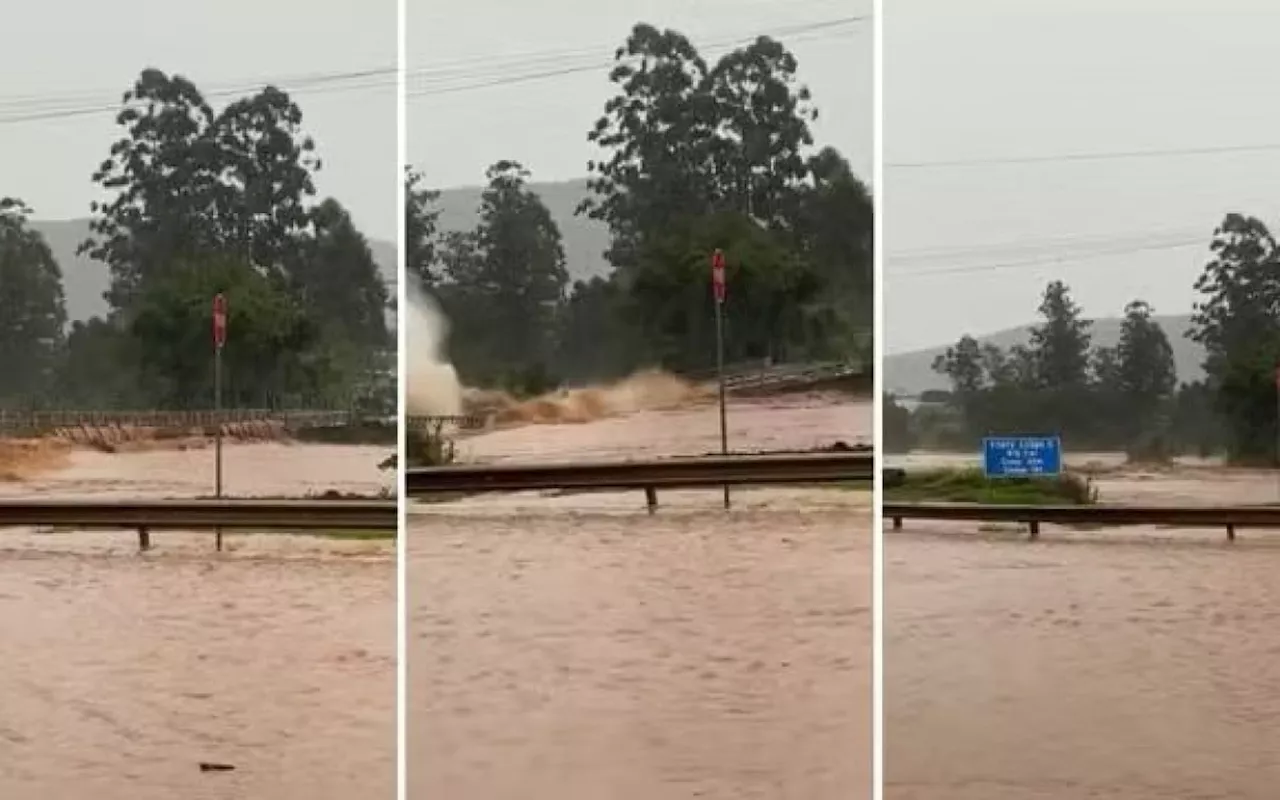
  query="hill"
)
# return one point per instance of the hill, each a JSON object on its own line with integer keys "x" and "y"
{"x": 911, "y": 373}
{"x": 84, "y": 280}
{"x": 585, "y": 240}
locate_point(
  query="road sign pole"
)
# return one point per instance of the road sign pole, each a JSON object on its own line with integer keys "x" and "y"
{"x": 718, "y": 286}
{"x": 1277, "y": 381}
{"x": 217, "y": 436}
{"x": 724, "y": 423}
{"x": 219, "y": 339}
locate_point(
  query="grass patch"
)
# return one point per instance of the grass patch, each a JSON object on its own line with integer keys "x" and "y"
{"x": 353, "y": 535}
{"x": 358, "y": 535}
{"x": 971, "y": 486}
{"x": 848, "y": 486}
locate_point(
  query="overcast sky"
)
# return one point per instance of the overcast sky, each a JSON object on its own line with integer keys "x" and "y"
{"x": 81, "y": 54}
{"x": 1007, "y": 78}
{"x": 455, "y": 133}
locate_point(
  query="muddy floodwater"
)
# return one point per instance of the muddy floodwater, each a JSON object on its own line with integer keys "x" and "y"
{"x": 123, "y": 672}
{"x": 781, "y": 423}
{"x": 575, "y": 647}
{"x": 1124, "y": 663}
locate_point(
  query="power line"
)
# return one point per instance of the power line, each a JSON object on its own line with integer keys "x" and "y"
{"x": 540, "y": 56}
{"x": 449, "y": 79}
{"x": 498, "y": 75}
{"x": 1014, "y": 246}
{"x": 1053, "y": 259}
{"x": 226, "y": 85}
{"x": 28, "y": 109}
{"x": 1108, "y": 155}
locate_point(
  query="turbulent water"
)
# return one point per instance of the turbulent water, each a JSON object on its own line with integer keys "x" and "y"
{"x": 791, "y": 423}
{"x": 124, "y": 672}
{"x": 575, "y": 647}
{"x": 1125, "y": 663}
{"x": 433, "y": 388}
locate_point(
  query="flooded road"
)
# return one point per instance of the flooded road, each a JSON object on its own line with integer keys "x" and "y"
{"x": 783, "y": 423}
{"x": 575, "y": 647}
{"x": 1126, "y": 663}
{"x": 249, "y": 470}
{"x": 126, "y": 671}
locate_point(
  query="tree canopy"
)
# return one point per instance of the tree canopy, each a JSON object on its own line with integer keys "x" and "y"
{"x": 200, "y": 201}
{"x": 32, "y": 311}
{"x": 694, "y": 156}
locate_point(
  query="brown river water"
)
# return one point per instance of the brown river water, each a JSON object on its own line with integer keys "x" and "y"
{"x": 574, "y": 647}
{"x": 123, "y": 672}
{"x": 1126, "y": 663}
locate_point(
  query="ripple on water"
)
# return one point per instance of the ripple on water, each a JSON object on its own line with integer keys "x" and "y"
{"x": 692, "y": 654}
{"x": 1119, "y": 672}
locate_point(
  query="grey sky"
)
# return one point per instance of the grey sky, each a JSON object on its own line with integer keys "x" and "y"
{"x": 88, "y": 53}
{"x": 454, "y": 136}
{"x": 1008, "y": 78}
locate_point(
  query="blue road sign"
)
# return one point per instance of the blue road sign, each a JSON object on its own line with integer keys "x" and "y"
{"x": 1021, "y": 456}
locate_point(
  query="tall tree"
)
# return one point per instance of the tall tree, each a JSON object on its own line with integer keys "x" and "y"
{"x": 163, "y": 172}
{"x": 1238, "y": 323}
{"x": 101, "y": 368}
{"x": 658, "y": 131}
{"x": 1145, "y": 374}
{"x": 685, "y": 139}
{"x": 504, "y": 281}
{"x": 188, "y": 182}
{"x": 267, "y": 165}
{"x": 340, "y": 280}
{"x": 763, "y": 129}
{"x": 835, "y": 225}
{"x": 965, "y": 364}
{"x": 269, "y": 356}
{"x": 1061, "y": 343}
{"x": 769, "y": 288}
{"x": 703, "y": 156}
{"x": 32, "y": 309}
{"x": 596, "y": 337}
{"x": 420, "y": 219}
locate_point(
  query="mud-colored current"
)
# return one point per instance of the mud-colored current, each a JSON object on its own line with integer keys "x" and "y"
{"x": 575, "y": 647}
{"x": 1133, "y": 664}
{"x": 123, "y": 672}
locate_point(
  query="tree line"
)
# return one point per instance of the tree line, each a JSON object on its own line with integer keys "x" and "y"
{"x": 199, "y": 202}
{"x": 1127, "y": 397}
{"x": 696, "y": 156}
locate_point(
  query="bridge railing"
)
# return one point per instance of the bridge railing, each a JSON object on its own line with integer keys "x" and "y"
{"x": 47, "y": 421}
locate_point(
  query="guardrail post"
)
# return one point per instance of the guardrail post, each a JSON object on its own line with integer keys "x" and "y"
{"x": 1231, "y": 532}
{"x": 144, "y": 539}
{"x": 897, "y": 523}
{"x": 651, "y": 499}
{"x": 1035, "y": 529}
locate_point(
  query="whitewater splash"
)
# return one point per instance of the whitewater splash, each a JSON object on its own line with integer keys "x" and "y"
{"x": 646, "y": 390}
{"x": 433, "y": 389}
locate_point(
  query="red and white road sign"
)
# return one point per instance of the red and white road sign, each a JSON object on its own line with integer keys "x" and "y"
{"x": 219, "y": 321}
{"x": 717, "y": 275}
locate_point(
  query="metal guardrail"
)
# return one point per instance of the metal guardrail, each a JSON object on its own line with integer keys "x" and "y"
{"x": 146, "y": 516}
{"x": 1229, "y": 517}
{"x": 668, "y": 473}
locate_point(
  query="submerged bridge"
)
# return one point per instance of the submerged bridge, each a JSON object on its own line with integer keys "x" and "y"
{"x": 37, "y": 423}
{"x": 759, "y": 379}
